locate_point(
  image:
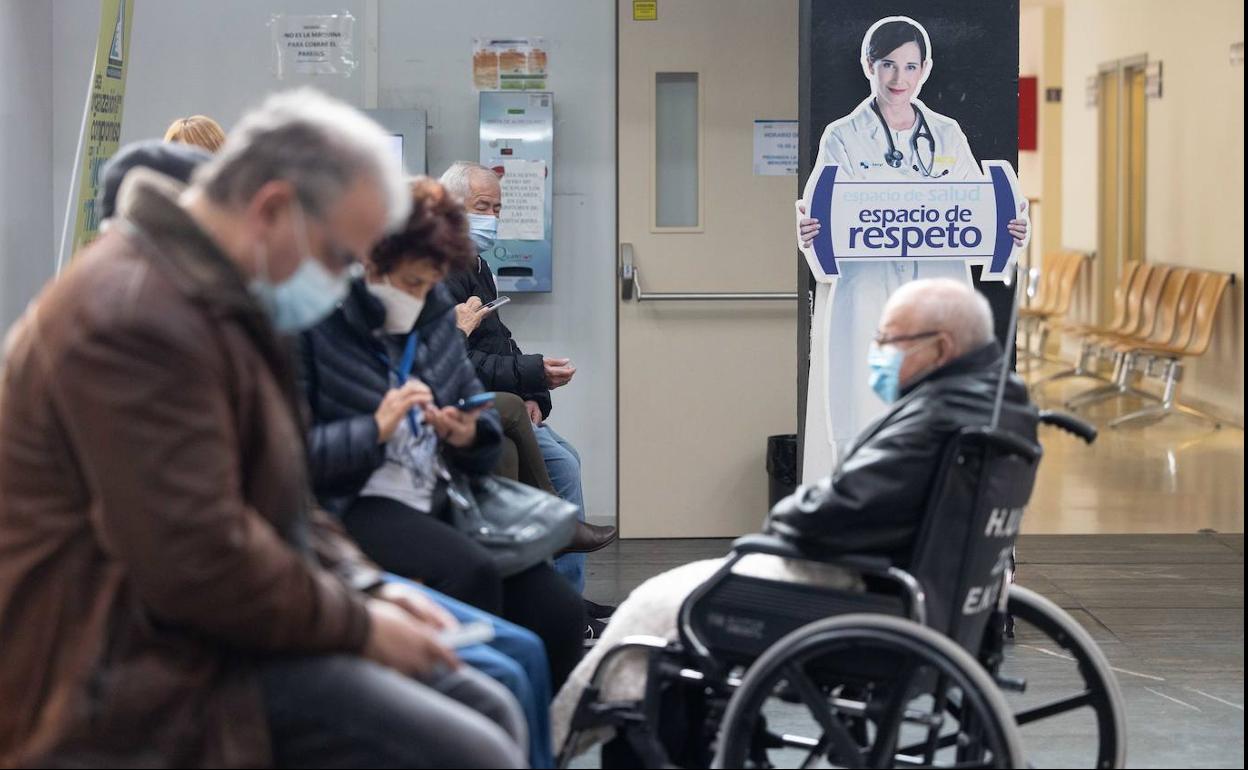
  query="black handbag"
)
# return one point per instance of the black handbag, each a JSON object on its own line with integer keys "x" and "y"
{"x": 521, "y": 526}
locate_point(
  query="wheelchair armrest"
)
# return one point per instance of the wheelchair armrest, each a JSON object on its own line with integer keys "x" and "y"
{"x": 768, "y": 544}
{"x": 773, "y": 545}
{"x": 1070, "y": 424}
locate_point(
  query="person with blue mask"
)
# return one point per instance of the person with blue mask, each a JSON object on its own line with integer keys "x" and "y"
{"x": 503, "y": 366}
{"x": 935, "y": 367}
{"x": 169, "y": 593}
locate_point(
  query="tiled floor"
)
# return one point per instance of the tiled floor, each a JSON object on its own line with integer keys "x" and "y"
{"x": 1168, "y": 611}
{"x": 1176, "y": 475}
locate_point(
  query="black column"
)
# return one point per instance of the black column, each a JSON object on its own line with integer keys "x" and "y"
{"x": 974, "y": 80}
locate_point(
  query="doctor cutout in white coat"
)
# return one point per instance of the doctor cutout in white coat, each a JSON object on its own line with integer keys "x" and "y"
{"x": 896, "y": 58}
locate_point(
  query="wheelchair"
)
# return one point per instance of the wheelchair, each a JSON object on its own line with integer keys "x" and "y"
{"x": 905, "y": 672}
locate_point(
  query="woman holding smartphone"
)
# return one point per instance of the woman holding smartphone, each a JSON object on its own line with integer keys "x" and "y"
{"x": 384, "y": 378}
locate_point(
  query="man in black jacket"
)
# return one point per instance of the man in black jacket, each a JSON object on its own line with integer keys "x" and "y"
{"x": 936, "y": 362}
{"x": 502, "y": 366}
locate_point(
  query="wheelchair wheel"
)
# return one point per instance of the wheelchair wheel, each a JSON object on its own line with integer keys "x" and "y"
{"x": 859, "y": 686}
{"x": 1066, "y": 673}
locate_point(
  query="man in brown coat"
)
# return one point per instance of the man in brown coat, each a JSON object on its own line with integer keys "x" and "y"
{"x": 167, "y": 594}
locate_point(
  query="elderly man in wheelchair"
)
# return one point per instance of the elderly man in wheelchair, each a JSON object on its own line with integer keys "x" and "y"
{"x": 865, "y": 626}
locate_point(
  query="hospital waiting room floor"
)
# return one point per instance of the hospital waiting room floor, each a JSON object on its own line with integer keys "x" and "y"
{"x": 1150, "y": 560}
{"x": 1167, "y": 610}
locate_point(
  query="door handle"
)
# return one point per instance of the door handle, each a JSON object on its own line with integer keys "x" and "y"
{"x": 630, "y": 287}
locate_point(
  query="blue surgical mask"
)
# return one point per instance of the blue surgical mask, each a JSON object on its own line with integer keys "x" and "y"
{"x": 885, "y": 365}
{"x": 305, "y": 298}
{"x": 483, "y": 228}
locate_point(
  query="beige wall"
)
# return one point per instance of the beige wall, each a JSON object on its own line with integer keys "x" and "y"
{"x": 1040, "y": 48}
{"x": 1195, "y": 155}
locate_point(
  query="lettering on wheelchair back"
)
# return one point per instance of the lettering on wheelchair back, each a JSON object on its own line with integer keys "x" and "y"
{"x": 923, "y": 220}
{"x": 744, "y": 627}
{"x": 1003, "y": 524}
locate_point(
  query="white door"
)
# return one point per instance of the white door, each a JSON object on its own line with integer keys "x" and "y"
{"x": 703, "y": 382}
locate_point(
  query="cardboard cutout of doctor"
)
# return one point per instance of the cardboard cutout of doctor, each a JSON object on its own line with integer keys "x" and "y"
{"x": 895, "y": 195}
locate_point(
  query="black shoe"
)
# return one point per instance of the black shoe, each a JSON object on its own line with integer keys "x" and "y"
{"x": 599, "y": 611}
{"x": 589, "y": 538}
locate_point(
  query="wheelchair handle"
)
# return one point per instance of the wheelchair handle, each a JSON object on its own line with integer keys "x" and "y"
{"x": 1070, "y": 424}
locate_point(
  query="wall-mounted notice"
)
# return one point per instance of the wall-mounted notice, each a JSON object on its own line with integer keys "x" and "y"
{"x": 510, "y": 64}
{"x": 523, "y": 217}
{"x": 775, "y": 147}
{"x": 645, "y": 10}
{"x": 313, "y": 45}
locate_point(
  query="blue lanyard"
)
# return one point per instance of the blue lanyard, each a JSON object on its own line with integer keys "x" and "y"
{"x": 404, "y": 370}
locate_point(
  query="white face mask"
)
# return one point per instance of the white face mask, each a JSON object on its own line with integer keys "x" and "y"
{"x": 402, "y": 309}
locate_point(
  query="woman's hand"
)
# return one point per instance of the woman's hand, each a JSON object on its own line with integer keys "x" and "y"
{"x": 807, "y": 229}
{"x": 1018, "y": 227}
{"x": 397, "y": 403}
{"x": 459, "y": 429}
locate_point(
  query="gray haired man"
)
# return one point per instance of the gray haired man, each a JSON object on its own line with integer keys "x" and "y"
{"x": 167, "y": 595}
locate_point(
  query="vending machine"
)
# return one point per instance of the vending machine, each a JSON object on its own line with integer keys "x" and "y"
{"x": 517, "y": 132}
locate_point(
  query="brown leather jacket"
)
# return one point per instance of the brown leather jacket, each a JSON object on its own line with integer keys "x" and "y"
{"x": 156, "y": 540}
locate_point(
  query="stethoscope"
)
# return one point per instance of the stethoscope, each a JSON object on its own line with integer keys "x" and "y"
{"x": 922, "y": 131}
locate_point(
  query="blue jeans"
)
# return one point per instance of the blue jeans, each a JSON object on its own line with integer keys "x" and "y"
{"x": 564, "y": 466}
{"x": 516, "y": 659}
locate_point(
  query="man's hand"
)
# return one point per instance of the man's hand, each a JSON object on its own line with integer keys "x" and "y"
{"x": 1018, "y": 227}
{"x": 418, "y": 605}
{"x": 396, "y": 404}
{"x": 535, "y": 412}
{"x": 470, "y": 314}
{"x": 559, "y": 372}
{"x": 807, "y": 229}
{"x": 400, "y": 641}
{"x": 459, "y": 429}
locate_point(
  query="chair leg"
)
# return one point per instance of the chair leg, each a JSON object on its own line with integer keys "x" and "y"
{"x": 1080, "y": 370}
{"x": 1168, "y": 405}
{"x": 1117, "y": 386}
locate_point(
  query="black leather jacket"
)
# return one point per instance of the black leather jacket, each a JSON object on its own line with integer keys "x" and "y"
{"x": 875, "y": 500}
{"x": 500, "y": 363}
{"x": 344, "y": 376}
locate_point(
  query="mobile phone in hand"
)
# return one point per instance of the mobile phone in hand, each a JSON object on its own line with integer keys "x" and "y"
{"x": 467, "y": 635}
{"x": 497, "y": 303}
{"x": 475, "y": 402}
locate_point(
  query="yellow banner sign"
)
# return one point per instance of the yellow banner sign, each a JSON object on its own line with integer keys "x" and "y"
{"x": 103, "y": 122}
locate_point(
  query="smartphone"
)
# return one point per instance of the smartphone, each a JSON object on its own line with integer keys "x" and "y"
{"x": 496, "y": 303}
{"x": 468, "y": 635}
{"x": 475, "y": 402}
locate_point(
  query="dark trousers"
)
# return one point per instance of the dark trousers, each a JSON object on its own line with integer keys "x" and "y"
{"x": 341, "y": 711}
{"x": 420, "y": 547}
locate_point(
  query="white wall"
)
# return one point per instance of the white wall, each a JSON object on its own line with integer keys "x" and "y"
{"x": 26, "y": 261}
{"x": 1194, "y": 184}
{"x": 214, "y": 58}
{"x": 426, "y": 61}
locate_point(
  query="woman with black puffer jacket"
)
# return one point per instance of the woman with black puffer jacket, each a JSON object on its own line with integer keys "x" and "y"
{"x": 381, "y": 376}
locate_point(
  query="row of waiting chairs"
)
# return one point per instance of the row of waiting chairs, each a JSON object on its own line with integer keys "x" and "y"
{"x": 1163, "y": 315}
{"x": 1051, "y": 303}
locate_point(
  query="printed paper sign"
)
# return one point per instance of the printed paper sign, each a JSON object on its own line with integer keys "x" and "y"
{"x": 514, "y": 64}
{"x": 920, "y": 220}
{"x": 313, "y": 45}
{"x": 775, "y": 147}
{"x": 523, "y": 217}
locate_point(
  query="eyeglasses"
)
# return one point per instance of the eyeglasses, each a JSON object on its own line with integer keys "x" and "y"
{"x": 882, "y": 340}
